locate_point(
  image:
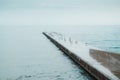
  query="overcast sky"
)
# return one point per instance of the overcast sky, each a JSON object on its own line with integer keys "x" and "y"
{"x": 59, "y": 12}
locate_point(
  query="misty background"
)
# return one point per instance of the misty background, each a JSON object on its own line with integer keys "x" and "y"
{"x": 59, "y": 12}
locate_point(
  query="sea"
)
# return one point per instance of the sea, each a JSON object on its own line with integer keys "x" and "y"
{"x": 26, "y": 54}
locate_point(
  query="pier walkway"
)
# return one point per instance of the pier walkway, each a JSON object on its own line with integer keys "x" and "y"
{"x": 100, "y": 64}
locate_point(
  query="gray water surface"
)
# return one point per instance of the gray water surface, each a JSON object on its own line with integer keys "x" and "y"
{"x": 26, "y": 54}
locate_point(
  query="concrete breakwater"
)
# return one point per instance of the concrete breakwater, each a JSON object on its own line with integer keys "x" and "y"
{"x": 88, "y": 61}
{"x": 108, "y": 59}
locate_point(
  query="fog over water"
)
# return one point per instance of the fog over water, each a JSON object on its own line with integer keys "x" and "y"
{"x": 59, "y": 12}
{"x": 26, "y": 54}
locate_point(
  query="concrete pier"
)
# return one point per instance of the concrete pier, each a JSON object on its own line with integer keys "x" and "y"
{"x": 100, "y": 64}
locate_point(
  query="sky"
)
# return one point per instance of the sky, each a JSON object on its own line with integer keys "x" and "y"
{"x": 59, "y": 12}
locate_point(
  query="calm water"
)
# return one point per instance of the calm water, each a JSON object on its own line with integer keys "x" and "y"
{"x": 25, "y": 54}
{"x": 104, "y": 37}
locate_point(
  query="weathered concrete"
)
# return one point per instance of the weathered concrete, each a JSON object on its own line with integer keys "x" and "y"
{"x": 107, "y": 59}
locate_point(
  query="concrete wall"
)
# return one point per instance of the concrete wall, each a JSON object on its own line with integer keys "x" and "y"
{"x": 94, "y": 72}
{"x": 108, "y": 59}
